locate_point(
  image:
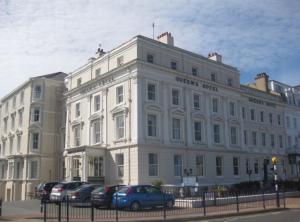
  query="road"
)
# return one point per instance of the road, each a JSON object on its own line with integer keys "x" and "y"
{"x": 292, "y": 215}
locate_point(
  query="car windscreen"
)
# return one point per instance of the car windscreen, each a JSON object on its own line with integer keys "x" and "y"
{"x": 99, "y": 190}
{"x": 123, "y": 190}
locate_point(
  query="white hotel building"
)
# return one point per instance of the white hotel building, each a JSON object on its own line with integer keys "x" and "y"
{"x": 148, "y": 110}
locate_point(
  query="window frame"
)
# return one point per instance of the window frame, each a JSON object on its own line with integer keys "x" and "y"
{"x": 236, "y": 166}
{"x": 97, "y": 102}
{"x": 178, "y": 99}
{"x": 219, "y": 168}
{"x": 120, "y": 164}
{"x": 154, "y": 165}
{"x": 153, "y": 126}
{"x": 119, "y": 95}
{"x": 118, "y": 128}
{"x": 178, "y": 167}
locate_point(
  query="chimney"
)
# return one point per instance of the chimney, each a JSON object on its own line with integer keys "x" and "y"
{"x": 261, "y": 82}
{"x": 215, "y": 57}
{"x": 166, "y": 38}
{"x": 100, "y": 52}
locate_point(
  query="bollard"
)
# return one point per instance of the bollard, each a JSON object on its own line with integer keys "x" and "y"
{"x": 45, "y": 211}
{"x": 67, "y": 205}
{"x": 277, "y": 199}
{"x": 204, "y": 204}
{"x": 117, "y": 213}
{"x": 237, "y": 202}
{"x": 165, "y": 206}
{"x": 92, "y": 210}
{"x": 283, "y": 196}
{"x": 264, "y": 202}
{"x": 59, "y": 211}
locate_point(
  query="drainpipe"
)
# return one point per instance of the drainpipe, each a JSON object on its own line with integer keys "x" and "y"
{"x": 27, "y": 152}
{"x": 129, "y": 125}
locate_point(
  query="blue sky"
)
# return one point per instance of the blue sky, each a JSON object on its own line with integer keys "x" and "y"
{"x": 41, "y": 36}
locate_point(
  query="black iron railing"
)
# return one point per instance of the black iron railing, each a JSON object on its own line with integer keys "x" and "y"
{"x": 196, "y": 204}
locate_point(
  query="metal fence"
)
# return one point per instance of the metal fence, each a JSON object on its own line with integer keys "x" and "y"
{"x": 196, "y": 204}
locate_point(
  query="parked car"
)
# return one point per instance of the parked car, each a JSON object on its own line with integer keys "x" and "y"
{"x": 142, "y": 196}
{"x": 44, "y": 190}
{"x": 102, "y": 196}
{"x": 82, "y": 193}
{"x": 59, "y": 191}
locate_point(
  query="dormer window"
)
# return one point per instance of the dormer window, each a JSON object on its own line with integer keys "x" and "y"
{"x": 98, "y": 72}
{"x": 194, "y": 71}
{"x": 120, "y": 60}
{"x": 213, "y": 77}
{"x": 150, "y": 58}
{"x": 174, "y": 65}
{"x": 78, "y": 82}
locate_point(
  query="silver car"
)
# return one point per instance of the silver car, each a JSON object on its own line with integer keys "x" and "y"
{"x": 59, "y": 191}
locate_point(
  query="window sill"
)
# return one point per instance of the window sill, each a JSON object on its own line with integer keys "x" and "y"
{"x": 177, "y": 141}
{"x": 120, "y": 140}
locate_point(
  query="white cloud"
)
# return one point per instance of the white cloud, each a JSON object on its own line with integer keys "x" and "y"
{"x": 41, "y": 36}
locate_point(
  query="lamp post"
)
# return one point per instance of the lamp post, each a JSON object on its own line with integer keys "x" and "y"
{"x": 275, "y": 160}
{"x": 249, "y": 172}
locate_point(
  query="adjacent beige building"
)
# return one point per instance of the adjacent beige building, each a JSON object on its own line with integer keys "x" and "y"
{"x": 32, "y": 126}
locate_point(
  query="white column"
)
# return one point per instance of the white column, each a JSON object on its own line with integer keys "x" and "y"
{"x": 84, "y": 167}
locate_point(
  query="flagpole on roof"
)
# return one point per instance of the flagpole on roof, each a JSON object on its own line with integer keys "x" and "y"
{"x": 153, "y": 24}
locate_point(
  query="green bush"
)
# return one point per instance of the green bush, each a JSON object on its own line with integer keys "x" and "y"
{"x": 157, "y": 183}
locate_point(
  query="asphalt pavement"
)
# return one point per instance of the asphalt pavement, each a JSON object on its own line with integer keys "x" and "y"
{"x": 290, "y": 215}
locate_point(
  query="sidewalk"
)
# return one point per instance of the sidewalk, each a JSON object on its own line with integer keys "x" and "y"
{"x": 214, "y": 212}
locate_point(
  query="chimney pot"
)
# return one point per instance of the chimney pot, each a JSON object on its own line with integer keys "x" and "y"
{"x": 215, "y": 57}
{"x": 166, "y": 38}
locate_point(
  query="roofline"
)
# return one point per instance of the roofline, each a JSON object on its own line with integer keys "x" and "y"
{"x": 27, "y": 82}
{"x": 157, "y": 43}
{"x": 186, "y": 51}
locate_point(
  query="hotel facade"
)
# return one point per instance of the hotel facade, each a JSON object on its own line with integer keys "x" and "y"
{"x": 32, "y": 131}
{"x": 148, "y": 111}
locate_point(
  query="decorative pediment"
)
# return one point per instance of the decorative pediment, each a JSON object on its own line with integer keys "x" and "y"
{"x": 10, "y": 134}
{"x": 119, "y": 109}
{"x": 21, "y": 109}
{"x": 77, "y": 122}
{"x": 153, "y": 107}
{"x": 19, "y": 132}
{"x": 218, "y": 118}
{"x": 97, "y": 115}
{"x": 197, "y": 114}
{"x": 177, "y": 111}
{"x": 234, "y": 121}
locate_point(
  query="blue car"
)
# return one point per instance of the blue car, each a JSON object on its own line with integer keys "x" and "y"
{"x": 141, "y": 196}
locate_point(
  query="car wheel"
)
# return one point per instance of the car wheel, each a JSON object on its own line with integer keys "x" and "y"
{"x": 135, "y": 206}
{"x": 169, "y": 204}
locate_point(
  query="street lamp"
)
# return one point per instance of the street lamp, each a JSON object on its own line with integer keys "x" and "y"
{"x": 249, "y": 172}
{"x": 275, "y": 161}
